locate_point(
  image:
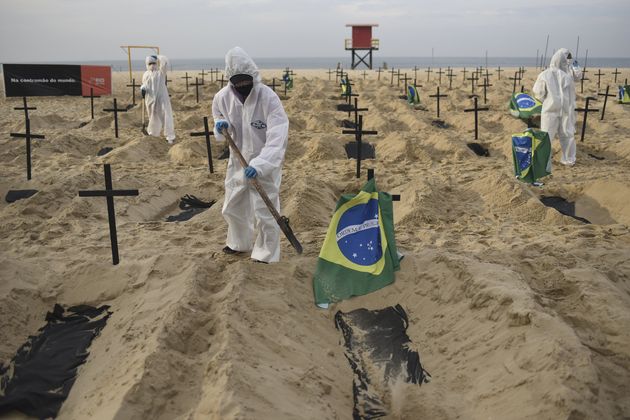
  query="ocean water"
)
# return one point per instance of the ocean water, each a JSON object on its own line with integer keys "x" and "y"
{"x": 331, "y": 62}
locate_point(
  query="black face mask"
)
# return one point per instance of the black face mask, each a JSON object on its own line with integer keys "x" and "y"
{"x": 243, "y": 83}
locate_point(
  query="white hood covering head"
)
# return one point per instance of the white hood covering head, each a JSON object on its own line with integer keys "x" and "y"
{"x": 151, "y": 59}
{"x": 237, "y": 61}
{"x": 559, "y": 60}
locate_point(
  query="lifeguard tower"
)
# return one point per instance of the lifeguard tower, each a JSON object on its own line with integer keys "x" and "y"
{"x": 362, "y": 41}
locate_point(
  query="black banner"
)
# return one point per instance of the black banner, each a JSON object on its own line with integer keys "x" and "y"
{"x": 42, "y": 80}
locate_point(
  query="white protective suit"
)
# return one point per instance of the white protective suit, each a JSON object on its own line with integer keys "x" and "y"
{"x": 260, "y": 129}
{"x": 555, "y": 88}
{"x": 157, "y": 101}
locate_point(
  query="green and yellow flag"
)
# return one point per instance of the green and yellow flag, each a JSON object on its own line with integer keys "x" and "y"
{"x": 524, "y": 106}
{"x": 531, "y": 151}
{"x": 359, "y": 253}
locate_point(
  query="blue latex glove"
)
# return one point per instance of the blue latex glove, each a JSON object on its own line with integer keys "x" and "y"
{"x": 250, "y": 172}
{"x": 221, "y": 125}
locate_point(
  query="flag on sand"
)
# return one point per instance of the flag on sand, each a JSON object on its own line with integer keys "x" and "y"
{"x": 531, "y": 151}
{"x": 359, "y": 252}
{"x": 524, "y": 106}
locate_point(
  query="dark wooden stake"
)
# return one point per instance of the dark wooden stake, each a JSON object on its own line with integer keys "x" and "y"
{"x": 379, "y": 71}
{"x": 599, "y": 75}
{"x": 476, "y": 110}
{"x": 473, "y": 78}
{"x": 28, "y": 136}
{"x": 428, "y": 71}
{"x": 485, "y": 86}
{"x": 109, "y": 193}
{"x": 437, "y": 96}
{"x": 203, "y": 73}
{"x": 499, "y": 72}
{"x": 358, "y": 135}
{"x": 92, "y": 100}
{"x": 206, "y": 132}
{"x": 133, "y": 87}
{"x": 515, "y": 78}
{"x": 196, "y": 85}
{"x": 605, "y": 95}
{"x": 115, "y": 110}
{"x": 616, "y": 72}
{"x": 186, "y": 77}
{"x": 586, "y": 110}
{"x": 24, "y": 108}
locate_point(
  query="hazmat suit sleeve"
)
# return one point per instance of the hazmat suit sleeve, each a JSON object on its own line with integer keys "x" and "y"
{"x": 540, "y": 88}
{"x": 575, "y": 72}
{"x": 272, "y": 154}
{"x": 217, "y": 115}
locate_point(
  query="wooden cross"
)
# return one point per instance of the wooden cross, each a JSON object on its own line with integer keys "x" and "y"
{"x": 583, "y": 79}
{"x": 203, "y": 73}
{"x": 222, "y": 81}
{"x": 616, "y": 72}
{"x": 133, "y": 87}
{"x": 473, "y": 78}
{"x": 273, "y": 84}
{"x": 415, "y": 72}
{"x": 28, "y": 136}
{"x": 521, "y": 71}
{"x": 450, "y": 76}
{"x": 115, "y": 110}
{"x": 92, "y": 100}
{"x": 364, "y": 74}
{"x": 370, "y": 175}
{"x": 206, "y": 132}
{"x": 464, "y": 71}
{"x": 166, "y": 81}
{"x": 605, "y": 95}
{"x": 186, "y": 77}
{"x": 356, "y": 110}
{"x": 499, "y": 72}
{"x": 24, "y": 108}
{"x": 440, "y": 73}
{"x": 379, "y": 71}
{"x": 358, "y": 135}
{"x": 485, "y": 86}
{"x": 405, "y": 79}
{"x": 398, "y": 76}
{"x": 428, "y": 71}
{"x": 196, "y": 85}
{"x": 437, "y": 96}
{"x": 488, "y": 74}
{"x": 214, "y": 72}
{"x": 599, "y": 75}
{"x": 476, "y": 110}
{"x": 338, "y": 74}
{"x": 586, "y": 110}
{"x": 393, "y": 72}
{"x": 109, "y": 193}
{"x": 515, "y": 78}
{"x": 330, "y": 72}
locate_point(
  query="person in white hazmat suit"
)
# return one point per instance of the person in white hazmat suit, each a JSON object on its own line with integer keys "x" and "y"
{"x": 555, "y": 88}
{"x": 156, "y": 98}
{"x": 255, "y": 119}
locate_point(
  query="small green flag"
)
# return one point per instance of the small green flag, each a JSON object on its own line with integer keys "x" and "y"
{"x": 359, "y": 252}
{"x": 531, "y": 151}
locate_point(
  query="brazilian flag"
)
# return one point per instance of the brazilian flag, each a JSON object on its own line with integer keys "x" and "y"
{"x": 413, "y": 95}
{"x": 359, "y": 253}
{"x": 288, "y": 80}
{"x": 346, "y": 88}
{"x": 524, "y": 106}
{"x": 531, "y": 151}
{"x": 624, "y": 94}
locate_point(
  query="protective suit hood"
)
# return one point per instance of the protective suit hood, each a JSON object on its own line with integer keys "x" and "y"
{"x": 559, "y": 60}
{"x": 237, "y": 61}
{"x": 151, "y": 59}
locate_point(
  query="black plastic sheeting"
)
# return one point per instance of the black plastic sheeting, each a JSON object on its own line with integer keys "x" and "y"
{"x": 224, "y": 154}
{"x": 478, "y": 149}
{"x": 367, "y": 150}
{"x": 192, "y": 206}
{"x": 348, "y": 124}
{"x": 15, "y": 195}
{"x": 104, "y": 151}
{"x": 38, "y": 379}
{"x": 439, "y": 124}
{"x": 376, "y": 341}
{"x": 563, "y": 206}
{"x": 345, "y": 107}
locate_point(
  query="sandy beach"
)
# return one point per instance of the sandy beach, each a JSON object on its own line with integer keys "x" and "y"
{"x": 517, "y": 311}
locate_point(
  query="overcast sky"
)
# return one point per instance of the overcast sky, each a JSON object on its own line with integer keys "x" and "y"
{"x": 75, "y": 30}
